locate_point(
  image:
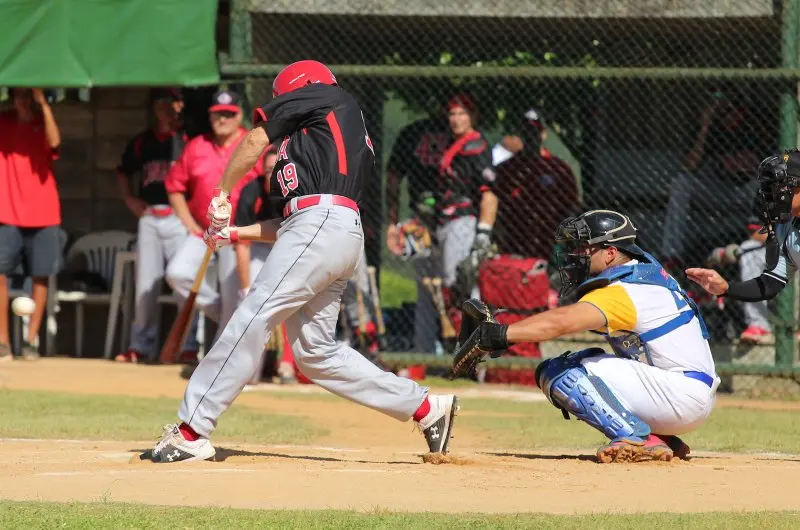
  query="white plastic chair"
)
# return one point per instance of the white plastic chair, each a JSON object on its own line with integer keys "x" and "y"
{"x": 99, "y": 250}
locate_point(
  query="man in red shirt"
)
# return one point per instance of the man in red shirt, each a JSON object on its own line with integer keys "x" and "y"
{"x": 30, "y": 211}
{"x": 537, "y": 190}
{"x": 191, "y": 184}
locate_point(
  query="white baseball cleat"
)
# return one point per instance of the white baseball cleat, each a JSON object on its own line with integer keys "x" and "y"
{"x": 173, "y": 447}
{"x": 437, "y": 425}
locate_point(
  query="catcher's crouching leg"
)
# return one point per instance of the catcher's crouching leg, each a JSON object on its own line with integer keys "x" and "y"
{"x": 570, "y": 388}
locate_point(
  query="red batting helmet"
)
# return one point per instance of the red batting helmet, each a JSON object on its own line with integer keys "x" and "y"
{"x": 300, "y": 74}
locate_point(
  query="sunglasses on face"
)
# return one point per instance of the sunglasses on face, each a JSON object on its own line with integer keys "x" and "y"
{"x": 223, "y": 114}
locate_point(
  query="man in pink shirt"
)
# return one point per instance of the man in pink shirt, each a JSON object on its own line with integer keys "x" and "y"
{"x": 191, "y": 184}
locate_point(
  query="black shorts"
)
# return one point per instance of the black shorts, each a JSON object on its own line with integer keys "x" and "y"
{"x": 41, "y": 249}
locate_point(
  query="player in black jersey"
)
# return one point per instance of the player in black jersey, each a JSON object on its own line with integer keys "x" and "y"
{"x": 149, "y": 156}
{"x": 325, "y": 157}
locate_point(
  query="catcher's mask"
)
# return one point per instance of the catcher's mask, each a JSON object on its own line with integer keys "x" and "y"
{"x": 777, "y": 179}
{"x": 578, "y": 236}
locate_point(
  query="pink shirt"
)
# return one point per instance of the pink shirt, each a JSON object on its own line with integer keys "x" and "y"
{"x": 198, "y": 172}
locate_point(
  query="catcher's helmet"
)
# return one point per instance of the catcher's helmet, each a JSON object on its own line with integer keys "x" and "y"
{"x": 778, "y": 177}
{"x": 596, "y": 228}
{"x": 300, "y": 74}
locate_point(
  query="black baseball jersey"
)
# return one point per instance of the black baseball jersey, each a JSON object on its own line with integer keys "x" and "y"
{"x": 323, "y": 145}
{"x": 465, "y": 172}
{"x": 255, "y": 204}
{"x": 416, "y": 154}
{"x": 152, "y": 155}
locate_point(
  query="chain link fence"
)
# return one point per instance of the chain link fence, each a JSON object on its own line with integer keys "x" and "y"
{"x": 660, "y": 110}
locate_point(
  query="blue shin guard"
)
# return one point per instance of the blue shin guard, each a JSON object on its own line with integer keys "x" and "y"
{"x": 569, "y": 387}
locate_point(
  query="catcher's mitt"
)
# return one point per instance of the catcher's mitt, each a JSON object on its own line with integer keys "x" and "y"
{"x": 480, "y": 335}
{"x": 416, "y": 239}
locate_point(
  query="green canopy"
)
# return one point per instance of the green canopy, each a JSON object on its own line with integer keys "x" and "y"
{"x": 83, "y": 43}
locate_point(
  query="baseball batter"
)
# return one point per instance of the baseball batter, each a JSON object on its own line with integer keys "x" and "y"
{"x": 325, "y": 157}
{"x": 660, "y": 381}
{"x": 779, "y": 199}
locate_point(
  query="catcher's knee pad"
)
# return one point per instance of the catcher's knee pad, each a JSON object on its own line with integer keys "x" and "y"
{"x": 569, "y": 387}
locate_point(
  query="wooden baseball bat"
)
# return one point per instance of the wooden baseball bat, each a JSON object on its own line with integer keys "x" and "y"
{"x": 180, "y": 328}
{"x": 434, "y": 285}
{"x": 376, "y": 300}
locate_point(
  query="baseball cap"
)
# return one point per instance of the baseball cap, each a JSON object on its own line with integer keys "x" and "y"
{"x": 225, "y": 100}
{"x": 169, "y": 94}
{"x": 462, "y": 100}
{"x": 533, "y": 119}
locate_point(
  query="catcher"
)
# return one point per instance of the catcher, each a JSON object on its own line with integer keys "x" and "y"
{"x": 660, "y": 380}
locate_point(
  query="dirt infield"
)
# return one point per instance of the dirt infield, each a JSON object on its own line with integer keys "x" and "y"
{"x": 366, "y": 462}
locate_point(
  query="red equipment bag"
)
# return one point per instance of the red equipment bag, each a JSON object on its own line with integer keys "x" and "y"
{"x": 516, "y": 287}
{"x": 514, "y": 283}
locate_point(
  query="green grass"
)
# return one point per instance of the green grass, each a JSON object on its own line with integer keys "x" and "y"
{"x": 397, "y": 286}
{"x": 504, "y": 424}
{"x": 29, "y": 414}
{"x": 117, "y": 515}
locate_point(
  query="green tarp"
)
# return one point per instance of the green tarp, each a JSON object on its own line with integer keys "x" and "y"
{"x": 82, "y": 43}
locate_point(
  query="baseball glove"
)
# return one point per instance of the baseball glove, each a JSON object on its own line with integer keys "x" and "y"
{"x": 480, "y": 335}
{"x": 416, "y": 239}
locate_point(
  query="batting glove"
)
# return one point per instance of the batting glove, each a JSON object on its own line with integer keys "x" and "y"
{"x": 219, "y": 211}
{"x": 216, "y": 239}
{"x": 240, "y": 296}
{"x": 483, "y": 237}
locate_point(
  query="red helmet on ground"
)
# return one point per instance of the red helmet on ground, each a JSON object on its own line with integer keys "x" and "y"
{"x": 300, "y": 74}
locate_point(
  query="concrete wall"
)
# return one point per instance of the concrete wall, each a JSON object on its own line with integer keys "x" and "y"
{"x": 93, "y": 137}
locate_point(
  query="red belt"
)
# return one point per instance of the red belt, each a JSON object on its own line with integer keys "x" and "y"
{"x": 159, "y": 211}
{"x": 300, "y": 203}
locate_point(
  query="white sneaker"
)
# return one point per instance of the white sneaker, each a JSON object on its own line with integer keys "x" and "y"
{"x": 437, "y": 425}
{"x": 173, "y": 447}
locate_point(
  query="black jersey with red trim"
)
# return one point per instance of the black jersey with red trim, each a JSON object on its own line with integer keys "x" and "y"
{"x": 255, "y": 203}
{"x": 416, "y": 155}
{"x": 465, "y": 172}
{"x": 323, "y": 145}
{"x": 151, "y": 154}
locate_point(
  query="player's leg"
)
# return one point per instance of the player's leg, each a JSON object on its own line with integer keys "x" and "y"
{"x": 346, "y": 373}
{"x": 455, "y": 238}
{"x": 181, "y": 272}
{"x": 44, "y": 249}
{"x": 668, "y": 401}
{"x": 258, "y": 256}
{"x": 625, "y": 400}
{"x": 300, "y": 265}
{"x": 10, "y": 257}
{"x": 173, "y": 235}
{"x": 149, "y": 273}
{"x": 756, "y": 314}
{"x": 229, "y": 284}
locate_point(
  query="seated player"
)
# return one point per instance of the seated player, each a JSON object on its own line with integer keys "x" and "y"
{"x": 660, "y": 380}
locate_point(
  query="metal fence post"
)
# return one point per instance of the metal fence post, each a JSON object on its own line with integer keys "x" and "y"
{"x": 785, "y": 325}
{"x": 241, "y": 48}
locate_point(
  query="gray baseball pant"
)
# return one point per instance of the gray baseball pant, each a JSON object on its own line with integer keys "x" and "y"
{"x": 301, "y": 284}
{"x": 158, "y": 240}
